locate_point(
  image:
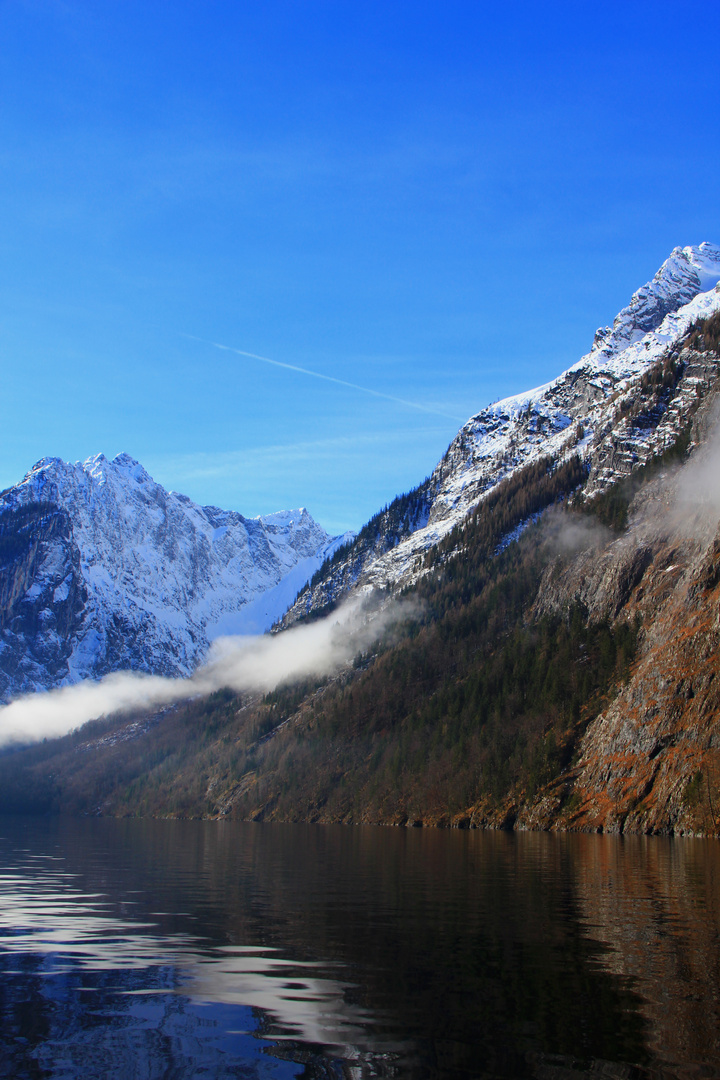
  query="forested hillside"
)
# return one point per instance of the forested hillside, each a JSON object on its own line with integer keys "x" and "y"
{"x": 507, "y": 696}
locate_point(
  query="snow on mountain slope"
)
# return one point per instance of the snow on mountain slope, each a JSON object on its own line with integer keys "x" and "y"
{"x": 259, "y": 614}
{"x": 544, "y": 421}
{"x": 101, "y": 568}
{"x": 687, "y": 272}
{"x": 578, "y": 411}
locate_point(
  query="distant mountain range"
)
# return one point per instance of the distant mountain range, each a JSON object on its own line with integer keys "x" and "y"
{"x": 101, "y": 569}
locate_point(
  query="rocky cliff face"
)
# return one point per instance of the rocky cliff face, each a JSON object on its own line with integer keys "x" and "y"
{"x": 651, "y": 761}
{"x": 602, "y": 407}
{"x": 102, "y": 569}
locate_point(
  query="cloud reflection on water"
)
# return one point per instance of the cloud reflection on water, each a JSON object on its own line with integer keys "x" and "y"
{"x": 42, "y": 914}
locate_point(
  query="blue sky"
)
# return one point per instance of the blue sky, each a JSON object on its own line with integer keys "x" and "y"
{"x": 439, "y": 202}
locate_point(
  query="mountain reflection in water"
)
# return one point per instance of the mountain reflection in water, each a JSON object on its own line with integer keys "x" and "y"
{"x": 181, "y": 949}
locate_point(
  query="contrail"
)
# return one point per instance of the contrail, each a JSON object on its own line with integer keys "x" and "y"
{"x": 328, "y": 378}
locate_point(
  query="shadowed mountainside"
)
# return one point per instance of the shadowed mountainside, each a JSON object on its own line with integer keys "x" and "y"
{"x": 559, "y": 671}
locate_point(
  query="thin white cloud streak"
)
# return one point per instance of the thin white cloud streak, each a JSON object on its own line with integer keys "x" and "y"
{"x": 329, "y": 378}
{"x": 237, "y": 663}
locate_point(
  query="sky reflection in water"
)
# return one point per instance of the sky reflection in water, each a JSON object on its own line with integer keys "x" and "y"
{"x": 46, "y": 918}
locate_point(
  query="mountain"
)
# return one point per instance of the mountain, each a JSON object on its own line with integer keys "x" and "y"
{"x": 553, "y": 656}
{"x": 590, "y": 409}
{"x": 102, "y": 569}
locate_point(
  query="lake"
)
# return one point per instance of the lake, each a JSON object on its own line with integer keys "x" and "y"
{"x": 148, "y": 949}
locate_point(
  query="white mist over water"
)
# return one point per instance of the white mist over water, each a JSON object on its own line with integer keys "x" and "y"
{"x": 241, "y": 664}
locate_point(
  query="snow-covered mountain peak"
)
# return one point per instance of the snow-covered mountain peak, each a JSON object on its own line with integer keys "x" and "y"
{"x": 518, "y": 429}
{"x": 573, "y": 396}
{"x": 286, "y": 517}
{"x": 594, "y": 409}
{"x": 43, "y": 466}
{"x": 122, "y": 468}
{"x": 123, "y": 460}
{"x": 706, "y": 260}
{"x": 129, "y": 467}
{"x": 685, "y": 273}
{"x": 60, "y": 476}
{"x": 108, "y": 570}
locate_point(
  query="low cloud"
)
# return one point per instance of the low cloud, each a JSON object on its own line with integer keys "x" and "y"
{"x": 696, "y": 505}
{"x": 237, "y": 663}
{"x": 569, "y": 534}
{"x": 682, "y": 502}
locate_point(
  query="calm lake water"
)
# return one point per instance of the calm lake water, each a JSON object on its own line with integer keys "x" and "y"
{"x": 133, "y": 949}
